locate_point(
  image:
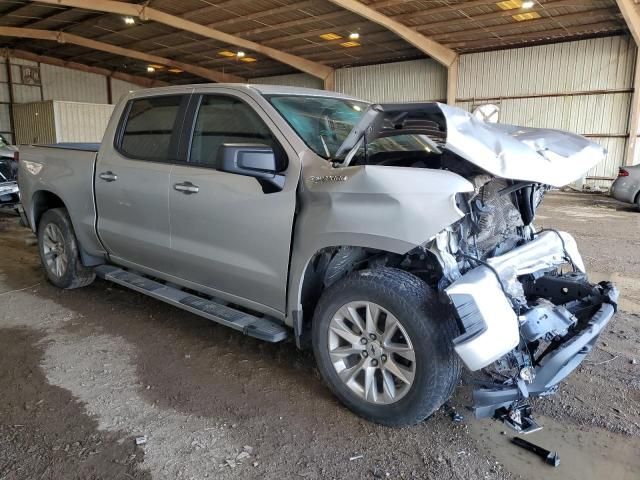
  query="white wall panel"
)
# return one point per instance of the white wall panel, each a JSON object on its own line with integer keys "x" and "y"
{"x": 59, "y": 83}
{"x": 554, "y": 81}
{"x": 120, "y": 88}
{"x": 26, "y": 93}
{"x": 595, "y": 64}
{"x": 81, "y": 122}
{"x": 416, "y": 80}
{"x": 291, "y": 80}
{"x": 583, "y": 114}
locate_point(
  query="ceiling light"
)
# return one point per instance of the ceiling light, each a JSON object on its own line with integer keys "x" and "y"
{"x": 240, "y": 54}
{"x": 175, "y": 70}
{"x": 521, "y": 17}
{"x": 528, "y": 4}
{"x": 509, "y": 4}
{"x": 150, "y": 69}
{"x": 226, "y": 53}
{"x": 129, "y": 20}
{"x": 330, "y": 36}
{"x": 156, "y": 66}
{"x": 349, "y": 44}
{"x": 248, "y": 59}
{"x": 354, "y": 36}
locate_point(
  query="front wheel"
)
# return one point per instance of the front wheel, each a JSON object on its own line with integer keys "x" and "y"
{"x": 382, "y": 342}
{"x": 59, "y": 251}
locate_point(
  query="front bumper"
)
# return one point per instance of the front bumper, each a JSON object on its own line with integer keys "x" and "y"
{"x": 487, "y": 317}
{"x": 563, "y": 310}
{"x": 554, "y": 367}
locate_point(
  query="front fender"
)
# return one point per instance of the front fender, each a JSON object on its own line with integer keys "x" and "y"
{"x": 393, "y": 209}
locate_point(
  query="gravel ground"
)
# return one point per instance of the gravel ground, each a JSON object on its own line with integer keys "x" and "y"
{"x": 87, "y": 371}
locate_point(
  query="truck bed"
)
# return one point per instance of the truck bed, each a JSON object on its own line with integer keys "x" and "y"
{"x": 65, "y": 170}
{"x": 86, "y": 147}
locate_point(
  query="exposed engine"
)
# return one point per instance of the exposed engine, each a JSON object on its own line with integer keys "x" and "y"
{"x": 499, "y": 216}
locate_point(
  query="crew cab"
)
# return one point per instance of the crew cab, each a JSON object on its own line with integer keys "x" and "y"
{"x": 396, "y": 240}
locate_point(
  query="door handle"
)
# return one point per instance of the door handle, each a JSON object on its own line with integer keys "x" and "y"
{"x": 108, "y": 176}
{"x": 187, "y": 188}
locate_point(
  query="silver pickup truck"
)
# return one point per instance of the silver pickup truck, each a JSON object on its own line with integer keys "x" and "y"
{"x": 396, "y": 240}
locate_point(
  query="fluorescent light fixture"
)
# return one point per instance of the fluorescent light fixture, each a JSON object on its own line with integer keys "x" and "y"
{"x": 248, "y": 59}
{"x": 175, "y": 70}
{"x": 528, "y": 4}
{"x": 150, "y": 69}
{"x": 354, "y": 36}
{"x": 226, "y": 53}
{"x": 240, "y": 54}
{"x": 129, "y": 20}
{"x": 349, "y": 44}
{"x": 330, "y": 36}
{"x": 522, "y": 17}
{"x": 509, "y": 4}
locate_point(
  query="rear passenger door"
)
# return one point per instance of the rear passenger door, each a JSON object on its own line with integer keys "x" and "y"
{"x": 232, "y": 236}
{"x": 132, "y": 181}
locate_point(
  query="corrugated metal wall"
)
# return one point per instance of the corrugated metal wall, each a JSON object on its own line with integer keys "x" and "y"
{"x": 59, "y": 83}
{"x": 415, "y": 80}
{"x": 584, "y": 87}
{"x": 120, "y": 88}
{"x": 291, "y": 80}
{"x": 81, "y": 122}
{"x": 21, "y": 92}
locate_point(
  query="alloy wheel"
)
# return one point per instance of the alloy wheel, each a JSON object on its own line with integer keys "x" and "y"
{"x": 371, "y": 352}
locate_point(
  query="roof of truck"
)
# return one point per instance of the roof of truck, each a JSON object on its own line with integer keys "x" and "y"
{"x": 262, "y": 89}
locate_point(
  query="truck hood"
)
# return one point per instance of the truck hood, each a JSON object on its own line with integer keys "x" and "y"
{"x": 551, "y": 157}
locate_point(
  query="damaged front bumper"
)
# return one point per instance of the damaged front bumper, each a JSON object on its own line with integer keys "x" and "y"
{"x": 559, "y": 318}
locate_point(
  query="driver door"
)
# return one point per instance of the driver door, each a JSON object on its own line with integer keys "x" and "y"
{"x": 228, "y": 233}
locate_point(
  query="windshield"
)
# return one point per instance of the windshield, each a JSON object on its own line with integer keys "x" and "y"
{"x": 3, "y": 142}
{"x": 323, "y": 123}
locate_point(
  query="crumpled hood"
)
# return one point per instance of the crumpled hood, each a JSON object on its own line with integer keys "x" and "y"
{"x": 552, "y": 157}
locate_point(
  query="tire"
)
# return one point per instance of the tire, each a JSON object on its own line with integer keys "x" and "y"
{"x": 425, "y": 325}
{"x": 62, "y": 260}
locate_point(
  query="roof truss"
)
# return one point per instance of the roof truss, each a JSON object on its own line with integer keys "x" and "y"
{"x": 62, "y": 37}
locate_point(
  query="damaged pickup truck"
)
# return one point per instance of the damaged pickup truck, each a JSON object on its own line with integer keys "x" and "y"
{"x": 396, "y": 240}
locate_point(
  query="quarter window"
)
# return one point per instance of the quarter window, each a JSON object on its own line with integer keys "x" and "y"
{"x": 150, "y": 128}
{"x": 223, "y": 120}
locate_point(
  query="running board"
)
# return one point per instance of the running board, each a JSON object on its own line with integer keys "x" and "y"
{"x": 261, "y": 328}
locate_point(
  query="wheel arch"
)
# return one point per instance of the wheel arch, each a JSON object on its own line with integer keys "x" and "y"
{"x": 41, "y": 201}
{"x": 325, "y": 266}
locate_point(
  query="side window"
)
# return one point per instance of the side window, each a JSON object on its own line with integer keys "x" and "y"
{"x": 150, "y": 127}
{"x": 221, "y": 120}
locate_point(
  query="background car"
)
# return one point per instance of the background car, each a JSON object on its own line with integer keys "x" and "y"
{"x": 626, "y": 187}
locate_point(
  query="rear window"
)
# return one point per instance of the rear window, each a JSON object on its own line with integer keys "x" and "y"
{"x": 150, "y": 128}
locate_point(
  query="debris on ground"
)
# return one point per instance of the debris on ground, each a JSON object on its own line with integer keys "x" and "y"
{"x": 549, "y": 457}
{"x": 141, "y": 440}
{"x": 357, "y": 457}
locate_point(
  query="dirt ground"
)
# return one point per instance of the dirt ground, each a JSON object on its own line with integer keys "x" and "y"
{"x": 85, "y": 372}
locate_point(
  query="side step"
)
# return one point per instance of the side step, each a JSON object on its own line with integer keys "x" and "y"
{"x": 261, "y": 328}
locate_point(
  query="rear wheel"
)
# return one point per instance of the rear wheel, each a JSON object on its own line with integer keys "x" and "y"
{"x": 382, "y": 342}
{"x": 59, "y": 251}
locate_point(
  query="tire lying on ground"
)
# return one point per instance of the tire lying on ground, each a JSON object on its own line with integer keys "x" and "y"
{"x": 59, "y": 251}
{"x": 382, "y": 342}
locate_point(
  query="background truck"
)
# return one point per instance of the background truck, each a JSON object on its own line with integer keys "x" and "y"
{"x": 397, "y": 240}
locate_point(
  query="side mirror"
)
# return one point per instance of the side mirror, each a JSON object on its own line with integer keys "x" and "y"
{"x": 252, "y": 160}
